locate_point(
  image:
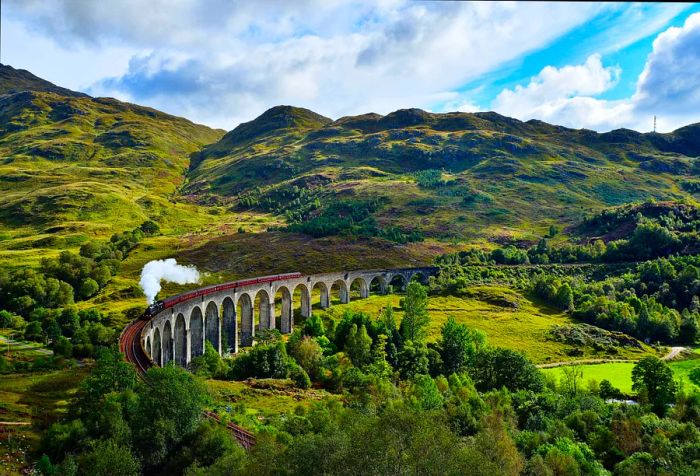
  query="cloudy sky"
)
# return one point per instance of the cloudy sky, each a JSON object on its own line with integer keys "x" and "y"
{"x": 221, "y": 62}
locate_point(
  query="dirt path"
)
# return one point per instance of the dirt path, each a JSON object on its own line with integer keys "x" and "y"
{"x": 675, "y": 351}
{"x": 17, "y": 345}
{"x": 672, "y": 354}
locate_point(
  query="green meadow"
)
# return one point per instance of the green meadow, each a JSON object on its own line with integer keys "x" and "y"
{"x": 508, "y": 318}
{"x": 620, "y": 373}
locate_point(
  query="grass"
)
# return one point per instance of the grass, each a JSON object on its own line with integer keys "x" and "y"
{"x": 253, "y": 401}
{"x": 620, "y": 374}
{"x": 509, "y": 319}
{"x": 36, "y": 398}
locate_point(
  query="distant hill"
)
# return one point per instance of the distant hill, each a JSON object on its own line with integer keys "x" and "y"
{"x": 77, "y": 164}
{"x": 453, "y": 175}
{"x": 74, "y": 166}
{"x": 18, "y": 80}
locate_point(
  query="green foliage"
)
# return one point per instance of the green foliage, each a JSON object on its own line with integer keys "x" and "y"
{"x": 416, "y": 319}
{"x": 262, "y": 361}
{"x": 309, "y": 354}
{"x": 300, "y": 377}
{"x": 653, "y": 378}
{"x": 413, "y": 360}
{"x": 430, "y": 178}
{"x": 495, "y": 368}
{"x": 351, "y": 218}
{"x": 607, "y": 390}
{"x": 425, "y": 392}
{"x": 359, "y": 346}
{"x": 149, "y": 228}
{"x": 168, "y": 411}
{"x": 108, "y": 458}
{"x": 209, "y": 364}
{"x": 459, "y": 346}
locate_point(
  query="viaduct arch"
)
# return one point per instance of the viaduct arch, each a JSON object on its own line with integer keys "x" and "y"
{"x": 229, "y": 319}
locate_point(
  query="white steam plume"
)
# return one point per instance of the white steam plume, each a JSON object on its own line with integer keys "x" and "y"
{"x": 165, "y": 270}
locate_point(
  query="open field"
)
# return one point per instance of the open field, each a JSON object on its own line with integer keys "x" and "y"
{"x": 508, "y": 318}
{"x": 620, "y": 374}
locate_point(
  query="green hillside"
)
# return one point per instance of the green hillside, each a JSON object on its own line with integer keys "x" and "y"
{"x": 74, "y": 166}
{"x": 445, "y": 176}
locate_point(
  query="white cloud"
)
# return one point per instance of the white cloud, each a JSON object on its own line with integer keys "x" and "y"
{"x": 669, "y": 87}
{"x": 554, "y": 90}
{"x": 223, "y": 63}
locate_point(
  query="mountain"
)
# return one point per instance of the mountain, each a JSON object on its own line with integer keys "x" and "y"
{"x": 453, "y": 175}
{"x": 78, "y": 166}
{"x": 17, "y": 80}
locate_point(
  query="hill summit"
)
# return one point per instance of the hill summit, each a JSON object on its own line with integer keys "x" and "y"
{"x": 446, "y": 174}
{"x": 18, "y": 80}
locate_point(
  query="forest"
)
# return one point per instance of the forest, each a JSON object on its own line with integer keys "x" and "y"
{"x": 397, "y": 405}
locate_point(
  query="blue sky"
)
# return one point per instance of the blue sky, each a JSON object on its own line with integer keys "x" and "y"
{"x": 598, "y": 66}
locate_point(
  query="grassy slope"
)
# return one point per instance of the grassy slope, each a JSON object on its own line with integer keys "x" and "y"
{"x": 525, "y": 328}
{"x": 529, "y": 175}
{"x": 38, "y": 398}
{"x": 261, "y": 398}
{"x": 74, "y": 168}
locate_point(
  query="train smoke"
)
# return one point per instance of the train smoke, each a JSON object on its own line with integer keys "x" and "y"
{"x": 165, "y": 270}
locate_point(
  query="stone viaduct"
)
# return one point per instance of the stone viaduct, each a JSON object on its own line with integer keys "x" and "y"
{"x": 228, "y": 319}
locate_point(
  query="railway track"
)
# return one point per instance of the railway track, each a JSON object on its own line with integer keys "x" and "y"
{"x": 130, "y": 346}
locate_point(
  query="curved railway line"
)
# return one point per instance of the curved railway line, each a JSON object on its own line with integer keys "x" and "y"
{"x": 130, "y": 346}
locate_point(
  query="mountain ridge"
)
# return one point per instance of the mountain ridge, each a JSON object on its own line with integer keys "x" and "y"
{"x": 463, "y": 176}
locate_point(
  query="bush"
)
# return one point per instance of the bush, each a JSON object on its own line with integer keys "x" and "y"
{"x": 300, "y": 377}
{"x": 88, "y": 288}
{"x": 262, "y": 361}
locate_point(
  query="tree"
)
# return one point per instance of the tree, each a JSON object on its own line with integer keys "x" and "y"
{"x": 359, "y": 346}
{"x": 459, "y": 346}
{"x": 565, "y": 297}
{"x": 608, "y": 391}
{"x": 108, "y": 458}
{"x": 313, "y": 326}
{"x": 34, "y": 332}
{"x": 415, "y": 319}
{"x": 111, "y": 374}
{"x": 379, "y": 366}
{"x": 573, "y": 374}
{"x": 149, "y": 227}
{"x": 88, "y": 288}
{"x": 413, "y": 360}
{"x": 497, "y": 367}
{"x": 426, "y": 393}
{"x": 170, "y": 402}
{"x": 652, "y": 378}
{"x": 262, "y": 361}
{"x": 499, "y": 453}
{"x": 309, "y": 354}
{"x": 210, "y": 363}
{"x": 63, "y": 347}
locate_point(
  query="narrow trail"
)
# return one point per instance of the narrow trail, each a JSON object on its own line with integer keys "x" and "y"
{"x": 19, "y": 345}
{"x": 672, "y": 354}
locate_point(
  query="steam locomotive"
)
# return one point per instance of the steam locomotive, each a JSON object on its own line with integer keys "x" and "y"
{"x": 167, "y": 303}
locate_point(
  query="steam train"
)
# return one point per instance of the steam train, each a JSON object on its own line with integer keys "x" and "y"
{"x": 167, "y": 303}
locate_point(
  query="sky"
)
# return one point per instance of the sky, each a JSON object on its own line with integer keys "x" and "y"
{"x": 222, "y": 62}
